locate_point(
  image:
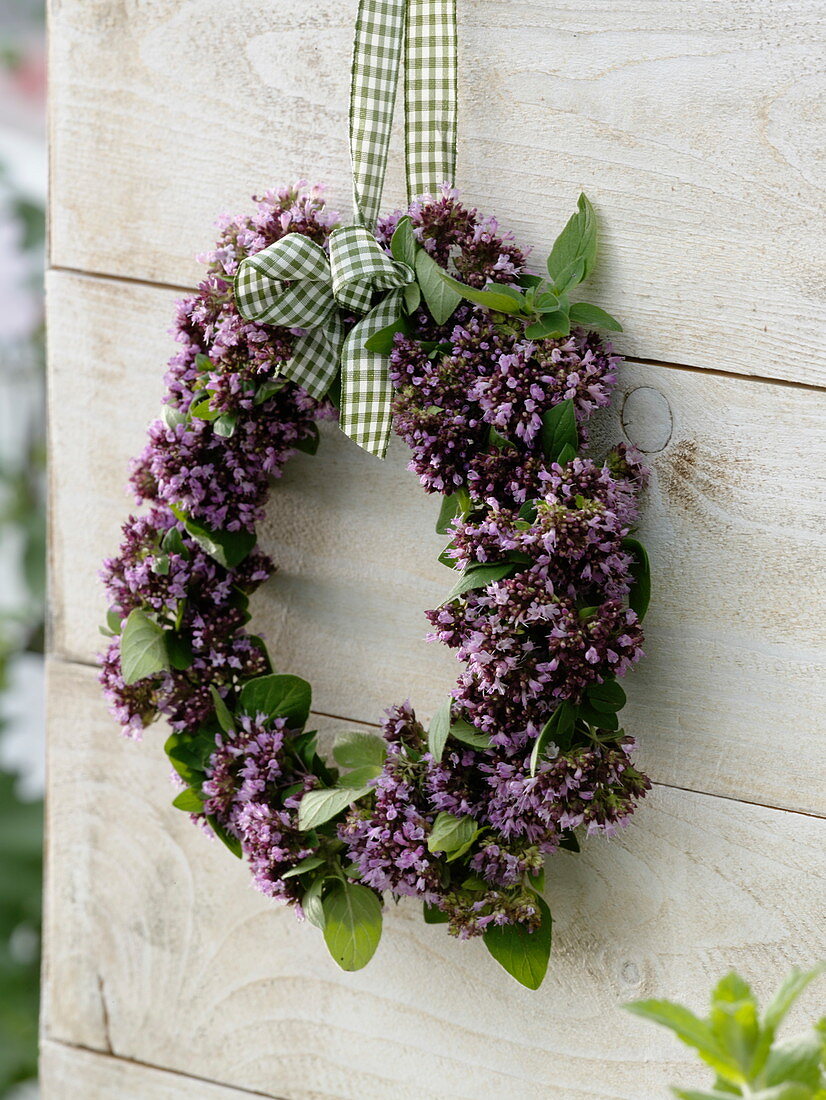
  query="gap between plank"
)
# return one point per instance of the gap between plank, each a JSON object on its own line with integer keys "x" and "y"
{"x": 79, "y": 663}
{"x": 641, "y": 360}
{"x": 103, "y": 1056}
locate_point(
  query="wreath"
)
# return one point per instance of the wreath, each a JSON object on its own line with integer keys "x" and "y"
{"x": 427, "y": 320}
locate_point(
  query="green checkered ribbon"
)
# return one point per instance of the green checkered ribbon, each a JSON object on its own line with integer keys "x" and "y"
{"x": 294, "y": 283}
{"x": 430, "y": 96}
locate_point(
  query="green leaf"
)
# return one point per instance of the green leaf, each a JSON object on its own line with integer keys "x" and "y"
{"x": 439, "y": 729}
{"x": 499, "y": 300}
{"x": 308, "y": 864}
{"x": 497, "y": 440}
{"x": 566, "y": 454}
{"x": 172, "y": 416}
{"x": 583, "y": 313}
{"x": 225, "y": 425}
{"x": 113, "y": 620}
{"x": 403, "y": 243}
{"x": 577, "y": 242}
{"x": 412, "y": 296}
{"x": 179, "y": 648}
{"x": 202, "y": 408}
{"x": 173, "y": 543}
{"x": 734, "y": 1020}
{"x": 546, "y": 303}
{"x": 789, "y": 991}
{"x": 558, "y": 729}
{"x": 381, "y": 342}
{"x": 308, "y": 444}
{"x": 450, "y": 833}
{"x": 190, "y": 801}
{"x": 160, "y": 565}
{"x": 311, "y": 903}
{"x": 441, "y": 298}
{"x": 701, "y": 1094}
{"x": 463, "y": 731}
{"x": 559, "y": 429}
{"x": 278, "y": 696}
{"x": 232, "y": 842}
{"x": 318, "y": 807}
{"x": 640, "y": 595}
{"x": 608, "y": 696}
{"x": 228, "y": 548}
{"x": 601, "y": 719}
{"x": 269, "y": 389}
{"x": 795, "y": 1060}
{"x": 479, "y": 576}
{"x": 360, "y": 777}
{"x": 352, "y": 924}
{"x": 434, "y": 915}
{"x": 692, "y": 1031}
{"x": 222, "y": 711}
{"x": 457, "y": 504}
{"x": 522, "y": 953}
{"x": 142, "y": 648}
{"x": 553, "y": 326}
{"x": 355, "y": 748}
{"x": 203, "y": 362}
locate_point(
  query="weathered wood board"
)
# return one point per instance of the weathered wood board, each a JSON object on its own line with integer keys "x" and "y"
{"x": 733, "y": 520}
{"x": 160, "y": 952}
{"x": 692, "y": 126}
{"x": 70, "y": 1073}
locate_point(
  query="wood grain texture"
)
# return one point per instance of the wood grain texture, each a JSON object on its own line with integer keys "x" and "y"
{"x": 693, "y": 126}
{"x": 70, "y": 1073}
{"x": 159, "y": 951}
{"x": 733, "y": 520}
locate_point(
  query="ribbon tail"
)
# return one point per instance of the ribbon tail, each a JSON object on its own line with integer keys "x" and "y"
{"x": 366, "y": 389}
{"x": 315, "y": 359}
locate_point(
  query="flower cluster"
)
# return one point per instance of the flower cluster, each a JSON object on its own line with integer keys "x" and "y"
{"x": 253, "y": 787}
{"x": 490, "y": 377}
{"x": 201, "y": 602}
{"x": 551, "y": 623}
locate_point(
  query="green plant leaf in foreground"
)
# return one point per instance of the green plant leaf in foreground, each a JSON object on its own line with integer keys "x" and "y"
{"x": 522, "y": 953}
{"x": 352, "y": 924}
{"x": 355, "y": 749}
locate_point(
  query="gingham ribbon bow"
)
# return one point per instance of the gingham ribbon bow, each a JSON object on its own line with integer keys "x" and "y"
{"x": 293, "y": 283}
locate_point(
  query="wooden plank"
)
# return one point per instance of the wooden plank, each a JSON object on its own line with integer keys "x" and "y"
{"x": 158, "y": 951}
{"x": 732, "y": 519}
{"x": 692, "y": 126}
{"x": 70, "y": 1073}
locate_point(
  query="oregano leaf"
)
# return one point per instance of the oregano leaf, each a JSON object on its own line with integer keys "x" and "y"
{"x": 320, "y": 806}
{"x": 589, "y": 316}
{"x": 522, "y": 953}
{"x": 352, "y": 924}
{"x": 559, "y": 429}
{"x": 439, "y": 729}
{"x": 441, "y": 298}
{"x": 142, "y": 648}
{"x": 356, "y": 748}
{"x": 278, "y": 696}
{"x": 479, "y": 577}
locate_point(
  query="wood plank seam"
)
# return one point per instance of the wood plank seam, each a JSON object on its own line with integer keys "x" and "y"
{"x": 642, "y": 359}
{"x": 69, "y": 663}
{"x": 110, "y": 1056}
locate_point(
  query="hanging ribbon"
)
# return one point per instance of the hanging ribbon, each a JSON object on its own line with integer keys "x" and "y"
{"x": 293, "y": 283}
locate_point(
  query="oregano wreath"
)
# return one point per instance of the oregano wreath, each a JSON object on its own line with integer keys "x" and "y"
{"x": 431, "y": 320}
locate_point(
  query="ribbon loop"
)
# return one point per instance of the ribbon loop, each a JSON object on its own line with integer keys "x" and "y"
{"x": 360, "y": 266}
{"x": 287, "y": 283}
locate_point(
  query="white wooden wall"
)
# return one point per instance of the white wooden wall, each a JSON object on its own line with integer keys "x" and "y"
{"x": 691, "y": 124}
